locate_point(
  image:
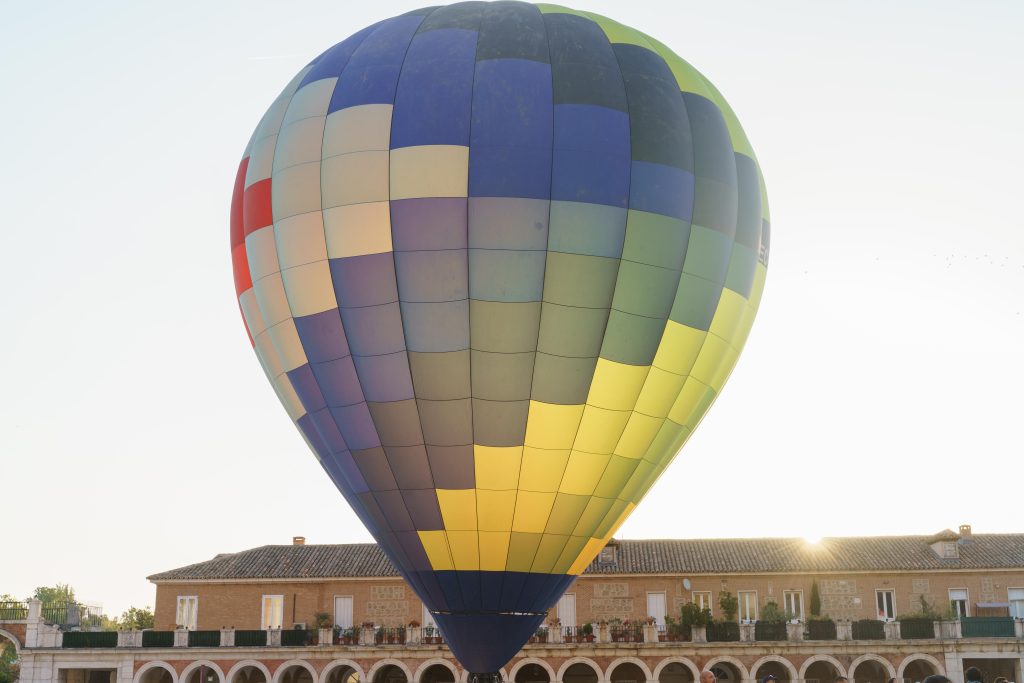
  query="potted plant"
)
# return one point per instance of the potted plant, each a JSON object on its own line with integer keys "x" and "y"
{"x": 729, "y": 603}
{"x": 588, "y": 632}
{"x": 670, "y": 634}
{"x": 414, "y": 624}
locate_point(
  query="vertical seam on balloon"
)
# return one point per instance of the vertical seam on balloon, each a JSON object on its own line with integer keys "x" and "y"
{"x": 617, "y": 268}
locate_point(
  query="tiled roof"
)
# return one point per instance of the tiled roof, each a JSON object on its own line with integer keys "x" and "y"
{"x": 700, "y": 556}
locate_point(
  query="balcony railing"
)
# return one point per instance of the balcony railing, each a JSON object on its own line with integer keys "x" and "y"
{"x": 987, "y": 627}
{"x": 640, "y": 634}
{"x": 13, "y": 611}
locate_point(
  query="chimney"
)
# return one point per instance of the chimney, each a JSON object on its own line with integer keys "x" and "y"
{"x": 965, "y": 532}
{"x": 298, "y": 540}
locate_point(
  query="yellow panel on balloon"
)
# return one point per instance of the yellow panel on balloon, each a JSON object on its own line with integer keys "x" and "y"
{"x": 547, "y": 553}
{"x": 590, "y": 551}
{"x": 600, "y": 429}
{"x": 565, "y": 513}
{"x": 494, "y": 550}
{"x": 542, "y": 469}
{"x": 458, "y": 509}
{"x": 435, "y": 543}
{"x": 659, "y": 392}
{"x": 729, "y": 315}
{"x": 637, "y": 436}
{"x": 495, "y": 509}
{"x": 496, "y": 467}
{"x": 573, "y": 546}
{"x": 592, "y": 515}
{"x": 715, "y": 354}
{"x": 693, "y": 401}
{"x": 583, "y": 472}
{"x": 532, "y": 510}
{"x": 549, "y": 425}
{"x": 465, "y": 549}
{"x": 521, "y": 549}
{"x": 616, "y": 385}
{"x": 680, "y": 345}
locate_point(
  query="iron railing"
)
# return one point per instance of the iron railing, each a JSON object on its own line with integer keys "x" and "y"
{"x": 868, "y": 629}
{"x": 250, "y": 638}
{"x": 298, "y": 637}
{"x": 431, "y": 635}
{"x": 390, "y": 636}
{"x": 13, "y": 611}
{"x": 626, "y": 633}
{"x": 917, "y": 629}
{"x": 770, "y": 630}
{"x": 723, "y": 632}
{"x": 158, "y": 639}
{"x": 987, "y": 627}
{"x": 76, "y": 639}
{"x": 821, "y": 629}
{"x": 204, "y": 638}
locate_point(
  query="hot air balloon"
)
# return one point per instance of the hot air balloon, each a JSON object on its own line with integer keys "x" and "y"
{"x": 497, "y": 260}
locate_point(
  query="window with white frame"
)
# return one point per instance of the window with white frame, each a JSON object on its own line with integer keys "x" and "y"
{"x": 273, "y": 611}
{"x": 885, "y": 603}
{"x": 567, "y": 609}
{"x": 702, "y": 599}
{"x": 958, "y": 602}
{"x": 188, "y": 609}
{"x": 748, "y": 606}
{"x": 1016, "y": 599}
{"x": 793, "y": 603}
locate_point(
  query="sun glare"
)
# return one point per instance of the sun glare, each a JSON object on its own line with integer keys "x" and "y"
{"x": 812, "y": 540}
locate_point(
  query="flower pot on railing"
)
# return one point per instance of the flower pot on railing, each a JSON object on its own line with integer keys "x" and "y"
{"x": 227, "y": 637}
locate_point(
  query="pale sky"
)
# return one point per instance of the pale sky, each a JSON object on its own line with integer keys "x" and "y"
{"x": 879, "y": 393}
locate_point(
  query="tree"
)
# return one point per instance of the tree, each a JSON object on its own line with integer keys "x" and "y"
{"x": 62, "y": 593}
{"x": 9, "y": 668}
{"x": 137, "y": 618}
{"x": 729, "y": 603}
{"x": 815, "y": 599}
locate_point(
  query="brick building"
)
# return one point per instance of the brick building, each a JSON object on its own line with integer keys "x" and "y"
{"x": 250, "y": 617}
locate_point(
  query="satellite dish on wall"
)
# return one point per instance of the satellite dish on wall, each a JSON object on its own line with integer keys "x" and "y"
{"x": 686, "y": 584}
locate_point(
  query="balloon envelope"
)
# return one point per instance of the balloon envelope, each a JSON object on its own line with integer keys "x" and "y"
{"x": 497, "y": 260}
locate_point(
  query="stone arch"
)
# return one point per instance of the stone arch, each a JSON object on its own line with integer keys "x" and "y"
{"x": 627, "y": 660}
{"x": 11, "y": 637}
{"x": 380, "y": 664}
{"x": 284, "y": 666}
{"x": 187, "y": 671}
{"x": 821, "y": 658}
{"x": 156, "y": 664}
{"x": 786, "y": 664}
{"x": 526, "y": 661}
{"x": 919, "y": 657}
{"x": 436, "y": 661}
{"x": 744, "y": 674}
{"x": 337, "y": 664}
{"x": 694, "y": 671}
{"x": 233, "y": 671}
{"x": 885, "y": 663}
{"x": 581, "y": 660}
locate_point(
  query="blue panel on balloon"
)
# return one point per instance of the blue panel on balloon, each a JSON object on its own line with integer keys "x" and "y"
{"x": 372, "y": 73}
{"x": 434, "y": 98}
{"x": 512, "y": 103}
{"x": 331, "y": 63}
{"x": 510, "y": 172}
{"x": 658, "y": 188}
